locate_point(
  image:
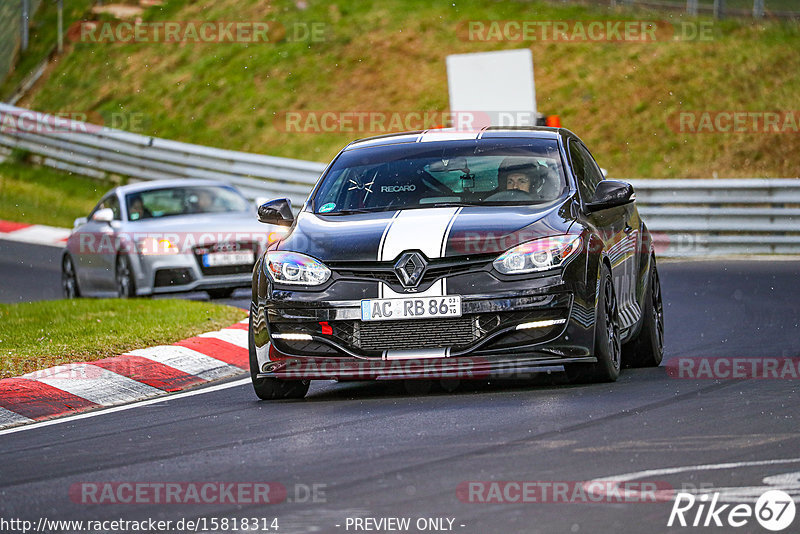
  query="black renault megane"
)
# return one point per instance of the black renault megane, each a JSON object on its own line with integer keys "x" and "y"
{"x": 456, "y": 254}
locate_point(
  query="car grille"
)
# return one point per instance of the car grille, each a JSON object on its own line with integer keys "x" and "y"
{"x": 244, "y": 246}
{"x": 372, "y": 337}
{"x": 416, "y": 334}
{"x": 384, "y": 271}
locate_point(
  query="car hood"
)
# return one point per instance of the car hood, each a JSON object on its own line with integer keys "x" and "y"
{"x": 436, "y": 232}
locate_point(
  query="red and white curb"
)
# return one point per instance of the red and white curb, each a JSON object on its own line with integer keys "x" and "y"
{"x": 136, "y": 375}
{"x": 36, "y": 234}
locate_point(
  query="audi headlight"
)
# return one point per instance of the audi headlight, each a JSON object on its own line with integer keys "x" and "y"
{"x": 538, "y": 255}
{"x": 296, "y": 269}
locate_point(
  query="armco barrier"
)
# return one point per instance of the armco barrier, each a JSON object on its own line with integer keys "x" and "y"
{"x": 689, "y": 217}
{"x": 722, "y": 216}
{"x": 95, "y": 151}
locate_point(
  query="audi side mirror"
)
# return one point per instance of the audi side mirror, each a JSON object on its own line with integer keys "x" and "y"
{"x": 105, "y": 215}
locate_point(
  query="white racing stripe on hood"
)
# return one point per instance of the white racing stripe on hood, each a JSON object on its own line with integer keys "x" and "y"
{"x": 420, "y": 229}
{"x": 425, "y": 230}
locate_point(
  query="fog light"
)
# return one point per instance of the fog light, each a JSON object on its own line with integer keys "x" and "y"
{"x": 540, "y": 324}
{"x": 293, "y": 337}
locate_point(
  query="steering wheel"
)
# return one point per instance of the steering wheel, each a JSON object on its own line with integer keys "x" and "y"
{"x": 509, "y": 195}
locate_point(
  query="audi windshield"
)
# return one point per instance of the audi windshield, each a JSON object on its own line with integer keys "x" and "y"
{"x": 168, "y": 202}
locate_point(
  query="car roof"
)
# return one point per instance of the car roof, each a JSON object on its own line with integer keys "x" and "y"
{"x": 453, "y": 134}
{"x": 139, "y": 187}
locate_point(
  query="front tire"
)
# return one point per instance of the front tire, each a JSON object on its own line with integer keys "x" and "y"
{"x": 607, "y": 346}
{"x": 647, "y": 348}
{"x": 123, "y": 275}
{"x": 272, "y": 388}
{"x": 69, "y": 279}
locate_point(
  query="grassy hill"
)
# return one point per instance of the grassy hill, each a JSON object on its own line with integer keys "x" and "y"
{"x": 389, "y": 55}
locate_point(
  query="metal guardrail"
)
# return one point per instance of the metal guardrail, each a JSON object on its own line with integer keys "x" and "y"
{"x": 688, "y": 217}
{"x": 98, "y": 151}
{"x": 722, "y": 216}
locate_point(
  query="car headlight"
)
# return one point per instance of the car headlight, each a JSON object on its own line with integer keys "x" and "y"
{"x": 296, "y": 269}
{"x": 538, "y": 255}
{"x": 151, "y": 246}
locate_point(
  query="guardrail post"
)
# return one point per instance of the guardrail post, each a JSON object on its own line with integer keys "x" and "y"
{"x": 758, "y": 9}
{"x": 26, "y": 16}
{"x": 60, "y": 26}
{"x": 719, "y": 9}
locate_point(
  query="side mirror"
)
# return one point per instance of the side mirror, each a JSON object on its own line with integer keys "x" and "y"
{"x": 105, "y": 215}
{"x": 610, "y": 194}
{"x": 80, "y": 221}
{"x": 604, "y": 172}
{"x": 277, "y": 211}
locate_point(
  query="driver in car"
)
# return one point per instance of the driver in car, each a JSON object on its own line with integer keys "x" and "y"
{"x": 521, "y": 174}
{"x": 137, "y": 209}
{"x": 519, "y": 181}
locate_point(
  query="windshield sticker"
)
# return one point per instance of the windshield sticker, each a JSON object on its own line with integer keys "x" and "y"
{"x": 330, "y": 206}
{"x": 398, "y": 188}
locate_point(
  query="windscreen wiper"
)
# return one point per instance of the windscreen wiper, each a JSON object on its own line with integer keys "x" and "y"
{"x": 348, "y": 212}
{"x": 451, "y": 204}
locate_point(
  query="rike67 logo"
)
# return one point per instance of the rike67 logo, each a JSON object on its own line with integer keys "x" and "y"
{"x": 774, "y": 510}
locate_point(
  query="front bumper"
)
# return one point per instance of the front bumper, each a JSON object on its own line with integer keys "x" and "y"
{"x": 489, "y": 338}
{"x": 174, "y": 273}
{"x": 460, "y": 368}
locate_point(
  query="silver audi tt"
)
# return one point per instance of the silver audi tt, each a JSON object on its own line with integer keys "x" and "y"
{"x": 165, "y": 236}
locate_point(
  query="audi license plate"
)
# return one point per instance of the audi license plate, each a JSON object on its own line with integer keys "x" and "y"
{"x": 219, "y": 259}
{"x": 410, "y": 308}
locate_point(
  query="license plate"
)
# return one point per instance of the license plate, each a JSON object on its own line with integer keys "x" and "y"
{"x": 217, "y": 259}
{"x": 410, "y": 308}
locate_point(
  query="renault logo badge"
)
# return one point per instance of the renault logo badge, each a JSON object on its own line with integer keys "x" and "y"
{"x": 409, "y": 268}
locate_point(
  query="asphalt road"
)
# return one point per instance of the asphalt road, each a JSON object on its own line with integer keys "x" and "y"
{"x": 33, "y": 272}
{"x": 29, "y": 272}
{"x": 376, "y": 450}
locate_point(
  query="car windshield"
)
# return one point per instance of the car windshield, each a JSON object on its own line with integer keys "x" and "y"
{"x": 402, "y": 176}
{"x": 168, "y": 202}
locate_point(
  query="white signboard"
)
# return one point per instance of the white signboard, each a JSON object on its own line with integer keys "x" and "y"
{"x": 497, "y": 87}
